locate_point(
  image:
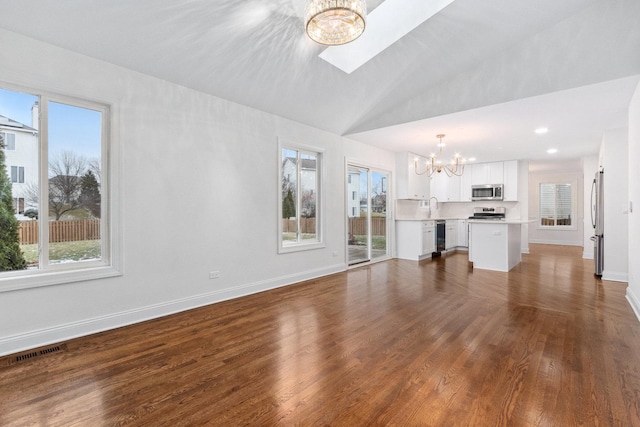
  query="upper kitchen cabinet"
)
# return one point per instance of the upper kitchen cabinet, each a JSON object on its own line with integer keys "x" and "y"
{"x": 487, "y": 173}
{"x": 511, "y": 181}
{"x": 445, "y": 188}
{"x": 409, "y": 184}
{"x": 465, "y": 184}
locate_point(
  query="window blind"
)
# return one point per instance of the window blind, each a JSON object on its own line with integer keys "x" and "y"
{"x": 555, "y": 204}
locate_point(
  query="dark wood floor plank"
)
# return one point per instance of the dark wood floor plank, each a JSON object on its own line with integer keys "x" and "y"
{"x": 395, "y": 343}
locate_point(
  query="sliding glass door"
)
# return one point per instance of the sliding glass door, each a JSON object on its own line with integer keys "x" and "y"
{"x": 367, "y": 222}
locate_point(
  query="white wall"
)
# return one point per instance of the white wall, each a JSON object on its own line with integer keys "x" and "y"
{"x": 589, "y": 169}
{"x": 616, "y": 201}
{"x": 569, "y": 171}
{"x": 523, "y": 201}
{"x": 198, "y": 192}
{"x": 633, "y": 291}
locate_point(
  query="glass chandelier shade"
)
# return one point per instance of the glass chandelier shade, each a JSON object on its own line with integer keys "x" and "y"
{"x": 335, "y": 22}
{"x": 436, "y": 165}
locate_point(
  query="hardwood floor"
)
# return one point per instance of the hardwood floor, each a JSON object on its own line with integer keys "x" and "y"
{"x": 395, "y": 343}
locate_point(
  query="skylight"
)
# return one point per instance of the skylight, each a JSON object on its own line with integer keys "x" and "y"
{"x": 386, "y": 24}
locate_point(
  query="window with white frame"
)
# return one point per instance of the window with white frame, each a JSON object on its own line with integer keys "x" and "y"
{"x": 17, "y": 174}
{"x": 9, "y": 140}
{"x": 300, "y": 206}
{"x": 557, "y": 205}
{"x": 63, "y": 189}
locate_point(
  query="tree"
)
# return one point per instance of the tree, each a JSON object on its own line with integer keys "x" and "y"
{"x": 308, "y": 204}
{"x": 11, "y": 257}
{"x": 288, "y": 205}
{"x": 68, "y": 177}
{"x": 90, "y": 193}
{"x": 65, "y": 170}
{"x": 93, "y": 165}
{"x": 378, "y": 198}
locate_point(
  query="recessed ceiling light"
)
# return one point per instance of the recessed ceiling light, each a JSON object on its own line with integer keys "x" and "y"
{"x": 471, "y": 159}
{"x": 552, "y": 150}
{"x": 541, "y": 131}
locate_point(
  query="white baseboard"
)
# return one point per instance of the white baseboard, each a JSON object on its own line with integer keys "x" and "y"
{"x": 47, "y": 336}
{"x": 556, "y": 242}
{"x": 633, "y": 302}
{"x": 615, "y": 276}
{"x": 588, "y": 254}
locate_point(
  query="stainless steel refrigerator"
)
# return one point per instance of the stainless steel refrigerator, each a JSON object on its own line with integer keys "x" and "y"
{"x": 597, "y": 220}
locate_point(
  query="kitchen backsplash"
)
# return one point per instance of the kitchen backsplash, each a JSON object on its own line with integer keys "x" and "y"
{"x": 418, "y": 210}
{"x": 464, "y": 210}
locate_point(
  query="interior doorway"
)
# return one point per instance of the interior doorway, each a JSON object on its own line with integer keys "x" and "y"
{"x": 367, "y": 219}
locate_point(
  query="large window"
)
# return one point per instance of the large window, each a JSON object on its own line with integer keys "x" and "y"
{"x": 61, "y": 193}
{"x": 300, "y": 207}
{"x": 556, "y": 205}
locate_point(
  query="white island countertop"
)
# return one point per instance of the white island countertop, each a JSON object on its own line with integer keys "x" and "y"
{"x": 448, "y": 218}
{"x": 501, "y": 221}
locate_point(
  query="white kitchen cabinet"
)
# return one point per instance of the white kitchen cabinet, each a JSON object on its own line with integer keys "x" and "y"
{"x": 439, "y": 187}
{"x": 495, "y": 173}
{"x": 465, "y": 185}
{"x": 410, "y": 185}
{"x": 511, "y": 181}
{"x": 428, "y": 237}
{"x": 487, "y": 173}
{"x": 479, "y": 174}
{"x": 446, "y": 188}
{"x": 453, "y": 189}
{"x": 463, "y": 233}
{"x": 415, "y": 239}
{"x": 451, "y": 234}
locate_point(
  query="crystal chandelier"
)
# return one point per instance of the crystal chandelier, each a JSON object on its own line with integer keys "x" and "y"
{"x": 335, "y": 22}
{"x": 435, "y": 164}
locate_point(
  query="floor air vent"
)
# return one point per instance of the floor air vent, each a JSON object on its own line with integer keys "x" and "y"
{"x": 32, "y": 354}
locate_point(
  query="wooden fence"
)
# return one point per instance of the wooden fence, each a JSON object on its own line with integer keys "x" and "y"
{"x": 61, "y": 231}
{"x": 308, "y": 225}
{"x": 357, "y": 226}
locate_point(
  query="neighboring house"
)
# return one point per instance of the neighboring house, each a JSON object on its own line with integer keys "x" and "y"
{"x": 21, "y": 154}
{"x": 353, "y": 192}
{"x": 308, "y": 186}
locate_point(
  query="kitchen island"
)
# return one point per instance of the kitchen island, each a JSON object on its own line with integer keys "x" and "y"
{"x": 495, "y": 244}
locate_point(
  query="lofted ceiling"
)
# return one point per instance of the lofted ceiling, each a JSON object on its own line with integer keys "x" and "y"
{"x": 486, "y": 73}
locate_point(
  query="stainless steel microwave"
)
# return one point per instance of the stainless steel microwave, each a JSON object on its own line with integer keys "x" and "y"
{"x": 487, "y": 192}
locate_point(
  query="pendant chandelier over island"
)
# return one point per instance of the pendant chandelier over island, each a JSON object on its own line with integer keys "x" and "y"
{"x": 436, "y": 164}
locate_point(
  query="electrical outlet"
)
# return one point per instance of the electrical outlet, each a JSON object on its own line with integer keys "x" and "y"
{"x": 214, "y": 275}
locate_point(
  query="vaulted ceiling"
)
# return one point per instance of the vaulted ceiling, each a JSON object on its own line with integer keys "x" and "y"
{"x": 486, "y": 73}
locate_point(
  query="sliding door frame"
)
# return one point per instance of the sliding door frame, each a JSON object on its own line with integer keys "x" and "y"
{"x": 390, "y": 229}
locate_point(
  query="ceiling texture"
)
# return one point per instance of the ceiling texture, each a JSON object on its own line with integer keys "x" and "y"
{"x": 485, "y": 73}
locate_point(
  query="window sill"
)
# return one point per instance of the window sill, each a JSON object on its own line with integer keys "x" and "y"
{"x": 301, "y": 247}
{"x": 557, "y": 227}
{"x": 38, "y": 278}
